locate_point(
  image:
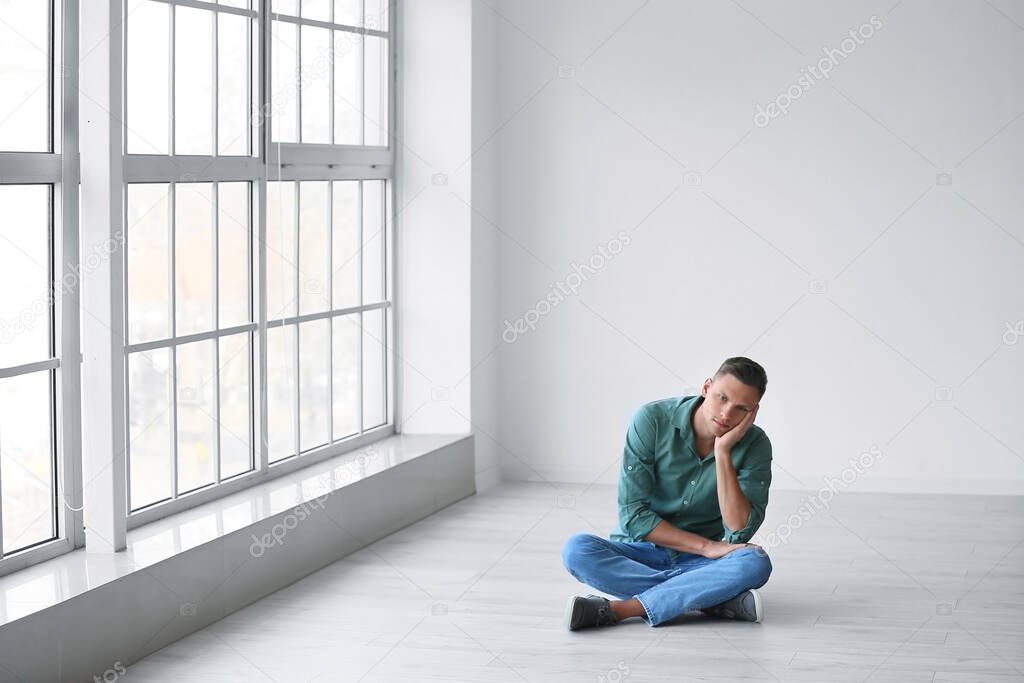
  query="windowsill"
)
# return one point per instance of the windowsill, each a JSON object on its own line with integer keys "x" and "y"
{"x": 54, "y": 581}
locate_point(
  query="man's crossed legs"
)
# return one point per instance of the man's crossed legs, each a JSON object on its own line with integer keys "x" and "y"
{"x": 666, "y": 588}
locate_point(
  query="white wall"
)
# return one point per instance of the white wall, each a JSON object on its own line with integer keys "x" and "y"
{"x": 447, "y": 252}
{"x": 433, "y": 268}
{"x": 823, "y": 245}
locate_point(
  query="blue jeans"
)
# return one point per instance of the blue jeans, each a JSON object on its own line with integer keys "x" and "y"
{"x": 665, "y": 587}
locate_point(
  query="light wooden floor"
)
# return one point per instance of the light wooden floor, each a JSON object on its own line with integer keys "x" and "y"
{"x": 879, "y": 587}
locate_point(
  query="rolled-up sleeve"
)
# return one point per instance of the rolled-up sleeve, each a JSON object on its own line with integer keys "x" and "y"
{"x": 754, "y": 478}
{"x": 637, "y": 478}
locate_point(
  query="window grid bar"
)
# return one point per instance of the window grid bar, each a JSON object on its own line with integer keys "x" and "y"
{"x": 249, "y": 336}
{"x": 55, "y": 478}
{"x": 171, "y": 103}
{"x": 189, "y": 338}
{"x": 318, "y": 23}
{"x": 299, "y": 90}
{"x": 362, "y": 89}
{"x": 51, "y": 249}
{"x": 174, "y": 347}
{"x": 215, "y": 111}
{"x": 213, "y": 7}
{"x": 27, "y": 368}
{"x": 382, "y": 206}
{"x": 260, "y": 337}
{"x": 330, "y": 279}
{"x": 297, "y": 402}
{"x": 251, "y": 108}
{"x": 330, "y": 82}
{"x": 320, "y": 315}
{"x": 51, "y": 133}
{"x": 216, "y": 318}
{"x": 125, "y": 242}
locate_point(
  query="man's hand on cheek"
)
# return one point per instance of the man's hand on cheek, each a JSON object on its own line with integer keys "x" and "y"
{"x": 731, "y": 438}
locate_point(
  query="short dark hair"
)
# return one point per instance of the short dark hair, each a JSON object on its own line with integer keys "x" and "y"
{"x": 746, "y": 371}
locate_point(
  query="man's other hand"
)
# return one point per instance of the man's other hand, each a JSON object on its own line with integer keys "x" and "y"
{"x": 716, "y": 549}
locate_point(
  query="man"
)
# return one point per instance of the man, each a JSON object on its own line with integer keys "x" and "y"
{"x": 692, "y": 491}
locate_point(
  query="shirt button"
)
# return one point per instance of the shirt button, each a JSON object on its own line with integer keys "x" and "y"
{"x": 693, "y": 483}
{"x": 629, "y": 467}
{"x": 686, "y": 502}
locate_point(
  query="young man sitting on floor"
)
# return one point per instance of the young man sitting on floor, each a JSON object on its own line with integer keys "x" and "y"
{"x": 692, "y": 491}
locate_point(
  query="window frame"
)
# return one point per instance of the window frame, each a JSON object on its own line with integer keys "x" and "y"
{"x": 268, "y": 162}
{"x": 58, "y": 169}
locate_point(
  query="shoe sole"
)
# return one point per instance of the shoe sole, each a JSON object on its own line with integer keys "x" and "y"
{"x": 758, "y": 606}
{"x": 569, "y": 609}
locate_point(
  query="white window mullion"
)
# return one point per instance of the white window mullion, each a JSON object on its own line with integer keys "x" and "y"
{"x": 66, "y": 287}
{"x": 102, "y": 294}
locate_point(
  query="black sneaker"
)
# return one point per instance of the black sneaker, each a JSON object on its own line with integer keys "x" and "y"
{"x": 585, "y": 612}
{"x": 747, "y": 606}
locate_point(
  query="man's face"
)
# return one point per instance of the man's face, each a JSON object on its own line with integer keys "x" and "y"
{"x": 726, "y": 402}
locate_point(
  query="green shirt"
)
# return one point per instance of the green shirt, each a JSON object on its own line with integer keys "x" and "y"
{"x": 664, "y": 478}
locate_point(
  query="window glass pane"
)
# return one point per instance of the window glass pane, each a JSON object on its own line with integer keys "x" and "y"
{"x": 197, "y": 416}
{"x": 373, "y": 368}
{"x": 25, "y": 306}
{"x": 281, "y": 392}
{"x": 377, "y": 14}
{"x": 373, "y": 241}
{"x": 148, "y": 245}
{"x": 149, "y": 426}
{"x": 193, "y": 81}
{"x": 314, "y": 248}
{"x": 26, "y": 460}
{"x": 233, "y": 253}
{"x": 284, "y": 82}
{"x": 375, "y": 107}
{"x": 235, "y": 399}
{"x": 316, "y": 91}
{"x": 348, "y": 12}
{"x": 149, "y": 77}
{"x": 345, "y": 368}
{"x": 24, "y": 76}
{"x": 193, "y": 237}
{"x": 319, "y": 10}
{"x": 281, "y": 236}
{"x": 241, "y": 4}
{"x": 348, "y": 88}
{"x": 345, "y": 244}
{"x": 314, "y": 391}
{"x": 286, "y": 7}
{"x": 232, "y": 84}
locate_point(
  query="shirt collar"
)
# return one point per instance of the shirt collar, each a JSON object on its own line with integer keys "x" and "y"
{"x": 682, "y": 418}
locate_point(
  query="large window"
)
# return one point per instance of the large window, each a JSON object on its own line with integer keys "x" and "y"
{"x": 252, "y": 270}
{"x": 38, "y": 274}
{"x": 257, "y": 259}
